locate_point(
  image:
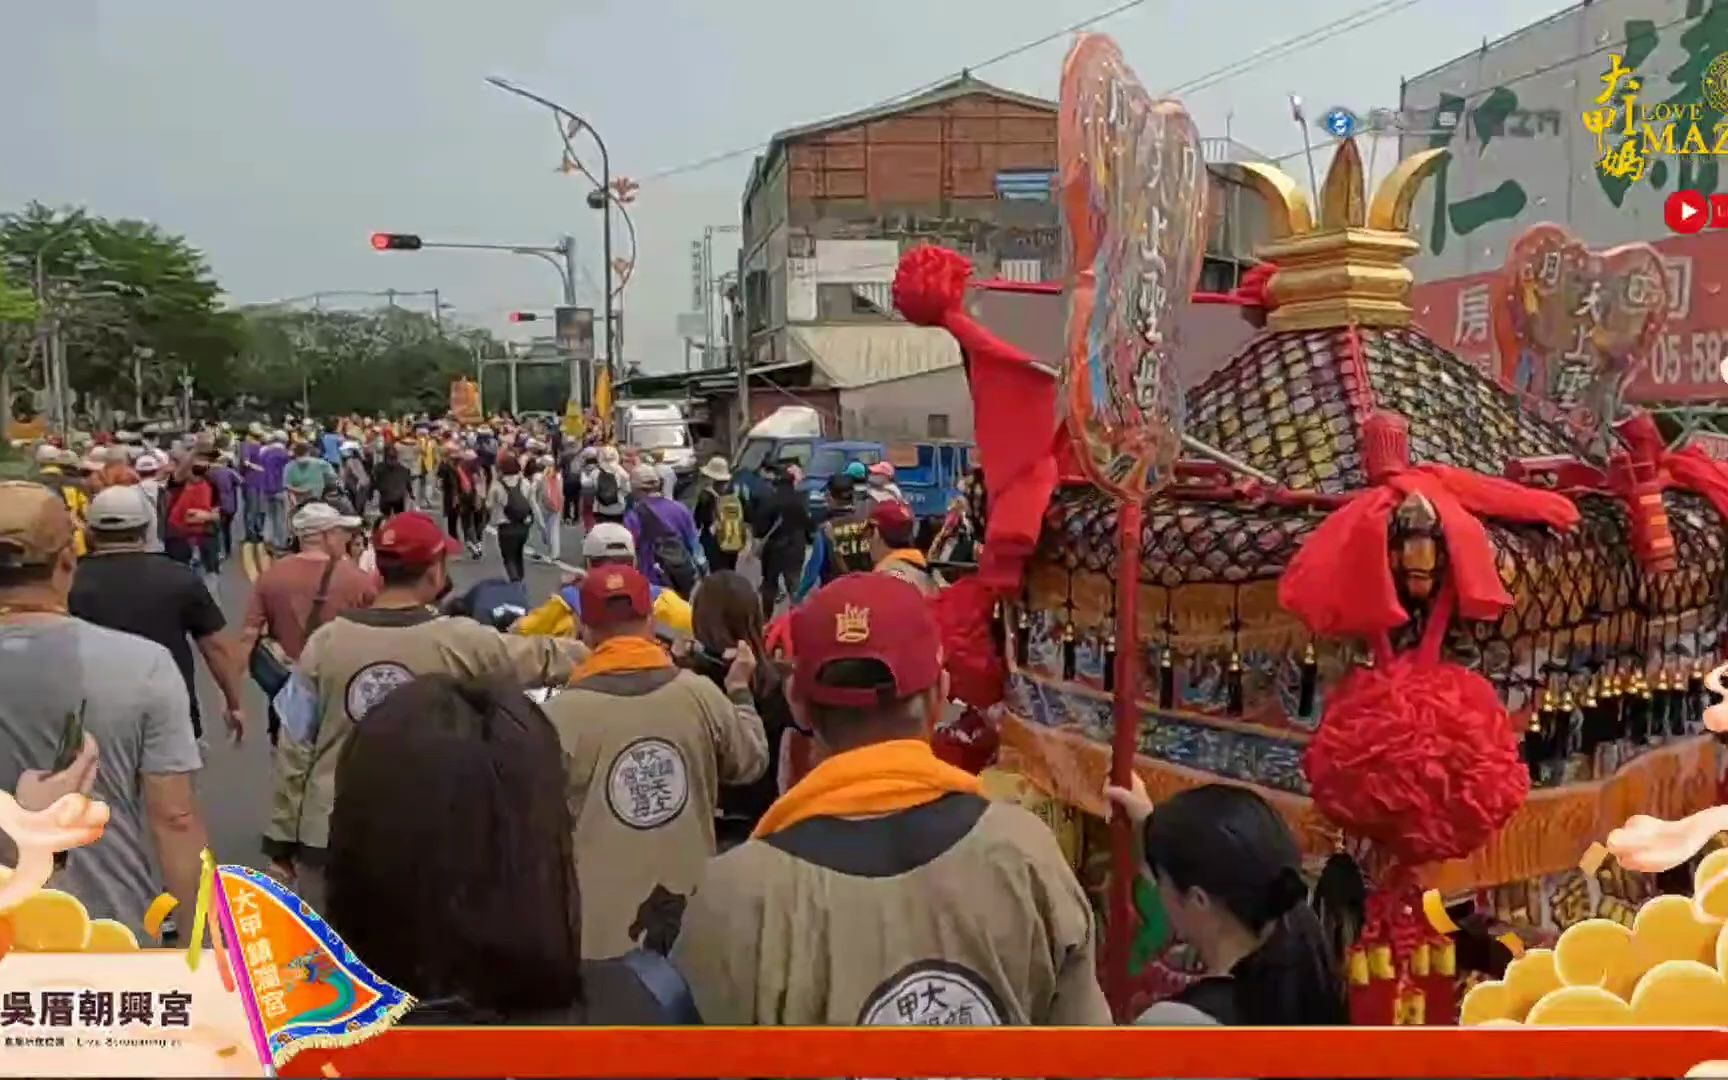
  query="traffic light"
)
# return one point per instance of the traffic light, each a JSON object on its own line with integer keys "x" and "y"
{"x": 524, "y": 316}
{"x": 391, "y": 241}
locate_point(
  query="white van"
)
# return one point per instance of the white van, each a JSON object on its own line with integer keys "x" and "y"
{"x": 657, "y": 425}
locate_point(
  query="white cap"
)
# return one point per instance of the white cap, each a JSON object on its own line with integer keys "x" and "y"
{"x": 116, "y": 509}
{"x": 148, "y": 463}
{"x": 717, "y": 469}
{"x": 608, "y": 540}
{"x": 315, "y": 518}
{"x": 646, "y": 477}
{"x": 47, "y": 454}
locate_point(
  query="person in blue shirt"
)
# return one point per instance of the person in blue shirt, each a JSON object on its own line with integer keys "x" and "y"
{"x": 330, "y": 447}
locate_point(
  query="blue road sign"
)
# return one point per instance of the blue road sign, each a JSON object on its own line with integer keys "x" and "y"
{"x": 1339, "y": 122}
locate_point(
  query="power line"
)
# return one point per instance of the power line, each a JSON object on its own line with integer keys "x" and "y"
{"x": 728, "y": 155}
{"x": 1278, "y": 50}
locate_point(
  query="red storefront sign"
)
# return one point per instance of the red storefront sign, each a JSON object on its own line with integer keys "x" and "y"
{"x": 1685, "y": 366}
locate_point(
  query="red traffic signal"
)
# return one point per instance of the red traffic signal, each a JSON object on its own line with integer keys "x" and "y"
{"x": 389, "y": 241}
{"x": 524, "y": 316}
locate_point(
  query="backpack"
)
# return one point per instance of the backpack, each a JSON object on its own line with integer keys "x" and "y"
{"x": 517, "y": 511}
{"x": 729, "y": 533}
{"x": 606, "y": 488}
{"x": 667, "y": 551}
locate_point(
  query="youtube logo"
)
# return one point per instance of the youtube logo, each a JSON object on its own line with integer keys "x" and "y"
{"x": 1686, "y": 212}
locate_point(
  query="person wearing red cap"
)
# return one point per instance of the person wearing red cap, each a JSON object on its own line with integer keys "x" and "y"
{"x": 894, "y": 546}
{"x": 647, "y": 745}
{"x": 884, "y": 888}
{"x": 356, "y": 658}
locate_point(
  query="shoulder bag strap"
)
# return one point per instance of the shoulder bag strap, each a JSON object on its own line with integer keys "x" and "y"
{"x": 665, "y": 984}
{"x": 316, "y": 617}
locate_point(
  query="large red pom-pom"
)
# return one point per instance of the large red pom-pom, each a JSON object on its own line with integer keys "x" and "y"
{"x": 930, "y": 282}
{"x": 1418, "y": 757}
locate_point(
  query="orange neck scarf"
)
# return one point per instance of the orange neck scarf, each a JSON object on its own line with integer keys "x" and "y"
{"x": 622, "y": 654}
{"x": 877, "y": 779}
{"x": 905, "y": 555}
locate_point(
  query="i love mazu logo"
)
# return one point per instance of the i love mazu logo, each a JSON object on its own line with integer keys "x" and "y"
{"x": 1629, "y": 133}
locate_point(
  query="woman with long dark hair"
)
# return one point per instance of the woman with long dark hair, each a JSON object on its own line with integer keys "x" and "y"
{"x": 1229, "y": 876}
{"x": 725, "y": 611}
{"x": 452, "y": 870}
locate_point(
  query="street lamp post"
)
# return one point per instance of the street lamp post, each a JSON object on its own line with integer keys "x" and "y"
{"x": 605, "y": 201}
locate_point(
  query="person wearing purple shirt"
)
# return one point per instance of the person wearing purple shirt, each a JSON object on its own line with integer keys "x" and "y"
{"x": 252, "y": 486}
{"x": 670, "y": 516}
{"x": 227, "y": 484}
{"x": 273, "y": 462}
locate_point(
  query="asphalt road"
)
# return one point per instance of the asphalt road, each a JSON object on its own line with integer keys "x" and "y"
{"x": 234, "y": 788}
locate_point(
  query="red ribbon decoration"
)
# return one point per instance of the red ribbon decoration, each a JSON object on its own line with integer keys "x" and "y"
{"x": 1340, "y": 583}
{"x": 1013, "y": 410}
{"x": 1646, "y": 468}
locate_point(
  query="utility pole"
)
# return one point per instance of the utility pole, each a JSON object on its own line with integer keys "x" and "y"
{"x": 581, "y": 369}
{"x": 437, "y": 312}
{"x": 510, "y": 359}
{"x": 708, "y": 285}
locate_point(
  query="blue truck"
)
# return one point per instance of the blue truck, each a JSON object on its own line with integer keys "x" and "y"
{"x": 930, "y": 474}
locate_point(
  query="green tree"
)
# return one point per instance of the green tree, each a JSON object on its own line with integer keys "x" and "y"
{"x": 17, "y": 319}
{"x": 386, "y": 361}
{"x": 136, "y": 307}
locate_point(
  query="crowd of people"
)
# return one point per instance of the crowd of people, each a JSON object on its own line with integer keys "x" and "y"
{"x": 587, "y": 811}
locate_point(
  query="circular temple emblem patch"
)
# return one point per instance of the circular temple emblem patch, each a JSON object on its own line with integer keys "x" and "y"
{"x": 648, "y": 783}
{"x": 1715, "y": 83}
{"x": 932, "y": 993}
{"x": 370, "y": 684}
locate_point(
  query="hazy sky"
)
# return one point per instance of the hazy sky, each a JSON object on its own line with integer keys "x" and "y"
{"x": 276, "y": 137}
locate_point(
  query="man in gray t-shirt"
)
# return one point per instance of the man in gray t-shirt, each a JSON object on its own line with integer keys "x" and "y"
{"x": 134, "y": 706}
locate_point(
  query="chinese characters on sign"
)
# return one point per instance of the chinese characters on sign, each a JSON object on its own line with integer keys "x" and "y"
{"x": 256, "y": 950}
{"x": 1474, "y": 313}
{"x": 1682, "y": 363}
{"x": 94, "y": 1008}
{"x": 1134, "y": 196}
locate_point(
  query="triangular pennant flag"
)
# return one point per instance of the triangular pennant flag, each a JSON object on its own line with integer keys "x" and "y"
{"x": 305, "y": 986}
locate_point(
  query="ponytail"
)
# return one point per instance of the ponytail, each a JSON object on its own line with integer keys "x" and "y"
{"x": 1229, "y": 843}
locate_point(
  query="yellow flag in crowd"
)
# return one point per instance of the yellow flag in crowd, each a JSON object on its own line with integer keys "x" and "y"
{"x": 603, "y": 396}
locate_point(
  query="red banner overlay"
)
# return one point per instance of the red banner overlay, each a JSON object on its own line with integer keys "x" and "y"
{"x": 1686, "y": 364}
{"x": 1020, "y": 1052}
